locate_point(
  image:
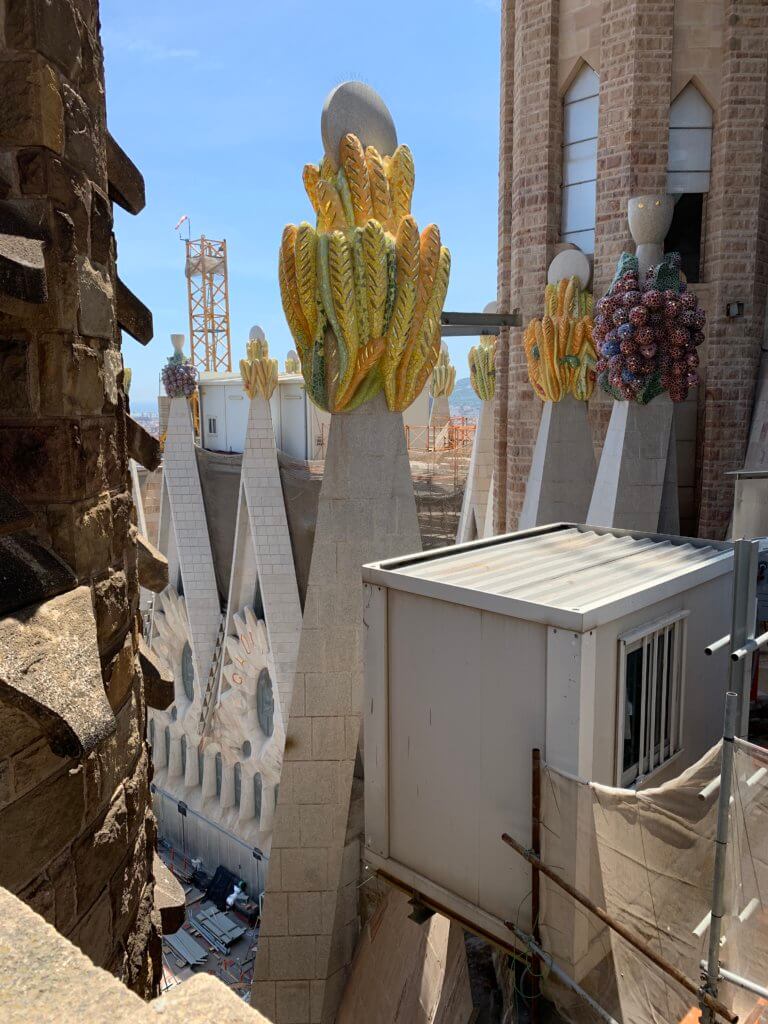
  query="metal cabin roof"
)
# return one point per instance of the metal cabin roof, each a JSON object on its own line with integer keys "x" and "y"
{"x": 565, "y": 575}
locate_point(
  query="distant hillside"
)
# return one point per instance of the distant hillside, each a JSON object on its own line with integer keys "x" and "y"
{"x": 464, "y": 401}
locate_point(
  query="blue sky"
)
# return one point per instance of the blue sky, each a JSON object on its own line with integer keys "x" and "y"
{"x": 219, "y": 106}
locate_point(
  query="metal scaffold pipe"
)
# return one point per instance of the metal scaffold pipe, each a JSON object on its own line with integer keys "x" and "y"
{"x": 721, "y": 849}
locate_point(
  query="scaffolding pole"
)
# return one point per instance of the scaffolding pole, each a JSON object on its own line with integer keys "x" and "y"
{"x": 639, "y": 944}
{"x": 721, "y": 850}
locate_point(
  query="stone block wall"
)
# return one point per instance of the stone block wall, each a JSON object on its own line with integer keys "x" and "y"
{"x": 645, "y": 52}
{"x": 79, "y": 827}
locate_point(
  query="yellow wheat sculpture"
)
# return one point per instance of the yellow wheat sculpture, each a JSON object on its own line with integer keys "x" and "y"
{"x": 363, "y": 290}
{"x": 443, "y": 375}
{"x": 258, "y": 371}
{"x": 559, "y": 348}
{"x": 482, "y": 368}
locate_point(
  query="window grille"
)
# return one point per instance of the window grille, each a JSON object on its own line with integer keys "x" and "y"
{"x": 650, "y": 698}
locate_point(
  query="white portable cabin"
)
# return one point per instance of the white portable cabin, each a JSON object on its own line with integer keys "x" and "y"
{"x": 301, "y": 429}
{"x": 587, "y": 643}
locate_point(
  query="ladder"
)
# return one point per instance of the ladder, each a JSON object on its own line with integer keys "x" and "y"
{"x": 211, "y": 686}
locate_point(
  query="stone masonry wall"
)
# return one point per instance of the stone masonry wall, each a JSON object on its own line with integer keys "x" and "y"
{"x": 736, "y": 259}
{"x": 644, "y": 51}
{"x": 534, "y": 212}
{"x": 80, "y": 831}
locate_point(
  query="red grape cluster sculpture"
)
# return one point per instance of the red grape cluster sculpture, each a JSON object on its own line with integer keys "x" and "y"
{"x": 647, "y": 333}
{"x": 179, "y": 377}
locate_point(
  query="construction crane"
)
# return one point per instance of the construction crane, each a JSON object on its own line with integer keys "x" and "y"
{"x": 208, "y": 293}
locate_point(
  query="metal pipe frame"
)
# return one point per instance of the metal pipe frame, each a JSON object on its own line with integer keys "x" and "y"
{"x": 721, "y": 849}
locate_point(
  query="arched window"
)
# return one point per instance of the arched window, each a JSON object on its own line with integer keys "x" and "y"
{"x": 580, "y": 113}
{"x": 183, "y": 755}
{"x": 246, "y": 748}
{"x": 257, "y": 796}
{"x": 690, "y": 143}
{"x": 238, "y": 782}
{"x": 200, "y": 766}
{"x": 188, "y": 672}
{"x": 217, "y": 762}
{"x": 688, "y": 172}
{"x": 167, "y": 735}
{"x": 265, "y": 703}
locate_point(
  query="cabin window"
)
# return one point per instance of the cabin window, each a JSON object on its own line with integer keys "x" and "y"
{"x": 211, "y": 424}
{"x": 651, "y": 692}
{"x": 579, "y": 189}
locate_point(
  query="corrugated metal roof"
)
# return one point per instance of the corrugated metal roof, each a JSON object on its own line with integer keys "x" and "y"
{"x": 574, "y": 568}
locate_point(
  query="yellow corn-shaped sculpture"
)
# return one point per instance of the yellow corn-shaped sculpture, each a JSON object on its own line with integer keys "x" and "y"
{"x": 292, "y": 364}
{"x": 258, "y": 371}
{"x": 443, "y": 375}
{"x": 558, "y": 348}
{"x": 363, "y": 291}
{"x": 482, "y": 368}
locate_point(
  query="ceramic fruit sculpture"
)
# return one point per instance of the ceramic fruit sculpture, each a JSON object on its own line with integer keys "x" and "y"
{"x": 559, "y": 348}
{"x": 258, "y": 371}
{"x": 292, "y": 364}
{"x": 179, "y": 376}
{"x": 647, "y": 333}
{"x": 482, "y": 369}
{"x": 443, "y": 375}
{"x": 363, "y": 290}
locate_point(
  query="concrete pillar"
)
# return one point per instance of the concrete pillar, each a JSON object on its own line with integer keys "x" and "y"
{"x": 268, "y": 525}
{"x": 439, "y": 413}
{"x": 474, "y": 508}
{"x": 193, "y": 544}
{"x": 636, "y": 484}
{"x": 563, "y": 466}
{"x": 366, "y": 512}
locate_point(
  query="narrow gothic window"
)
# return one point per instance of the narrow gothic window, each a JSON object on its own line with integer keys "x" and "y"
{"x": 217, "y": 762}
{"x": 265, "y": 703}
{"x": 688, "y": 175}
{"x": 238, "y": 783}
{"x": 580, "y": 115}
{"x": 257, "y": 796}
{"x": 188, "y": 672}
{"x": 183, "y": 755}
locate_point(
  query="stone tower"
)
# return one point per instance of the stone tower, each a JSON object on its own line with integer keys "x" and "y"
{"x": 661, "y": 69}
{"x": 77, "y": 832}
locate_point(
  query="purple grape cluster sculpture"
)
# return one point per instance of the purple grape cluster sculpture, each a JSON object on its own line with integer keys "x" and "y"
{"x": 646, "y": 333}
{"x": 179, "y": 377}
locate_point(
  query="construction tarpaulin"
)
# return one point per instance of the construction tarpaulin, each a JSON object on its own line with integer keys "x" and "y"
{"x": 646, "y": 856}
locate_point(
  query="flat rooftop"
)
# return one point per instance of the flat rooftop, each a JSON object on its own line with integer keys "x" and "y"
{"x": 570, "y": 575}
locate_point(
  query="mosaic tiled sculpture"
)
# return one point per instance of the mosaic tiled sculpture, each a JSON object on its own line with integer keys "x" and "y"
{"x": 363, "y": 291}
{"x": 647, "y": 332}
{"x": 482, "y": 369}
{"x": 258, "y": 371}
{"x": 179, "y": 376}
{"x": 559, "y": 348}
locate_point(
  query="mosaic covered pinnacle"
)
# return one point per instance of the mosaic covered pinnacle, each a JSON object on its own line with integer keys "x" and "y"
{"x": 559, "y": 349}
{"x": 258, "y": 371}
{"x": 482, "y": 368}
{"x": 363, "y": 291}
